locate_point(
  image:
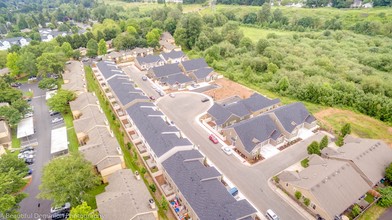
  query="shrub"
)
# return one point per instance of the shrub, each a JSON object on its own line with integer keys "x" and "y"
{"x": 153, "y": 187}
{"x": 276, "y": 179}
{"x": 339, "y": 141}
{"x": 324, "y": 142}
{"x": 298, "y": 194}
{"x": 305, "y": 162}
{"x": 356, "y": 210}
{"x": 306, "y": 201}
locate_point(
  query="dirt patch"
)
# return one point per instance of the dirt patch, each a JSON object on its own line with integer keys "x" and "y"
{"x": 363, "y": 126}
{"x": 228, "y": 89}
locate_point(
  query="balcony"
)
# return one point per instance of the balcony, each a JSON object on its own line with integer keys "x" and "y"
{"x": 115, "y": 105}
{"x": 166, "y": 188}
{"x": 133, "y": 135}
{"x": 141, "y": 147}
{"x": 151, "y": 164}
{"x": 179, "y": 209}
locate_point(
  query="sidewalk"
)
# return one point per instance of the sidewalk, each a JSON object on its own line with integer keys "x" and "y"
{"x": 290, "y": 201}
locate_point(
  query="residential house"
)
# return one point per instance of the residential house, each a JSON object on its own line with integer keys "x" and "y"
{"x": 125, "y": 198}
{"x": 250, "y": 136}
{"x": 189, "y": 66}
{"x": 204, "y": 74}
{"x": 175, "y": 1}
{"x": 154, "y": 134}
{"x": 332, "y": 186}
{"x": 5, "y": 134}
{"x": 128, "y": 55}
{"x": 48, "y": 34}
{"x": 88, "y": 118}
{"x": 227, "y": 114}
{"x": 291, "y": 118}
{"x": 74, "y": 81}
{"x": 7, "y": 43}
{"x": 157, "y": 73}
{"x": 173, "y": 57}
{"x": 177, "y": 81}
{"x": 109, "y": 69}
{"x": 148, "y": 62}
{"x": 199, "y": 191}
{"x": 82, "y": 101}
{"x": 170, "y": 76}
{"x": 167, "y": 43}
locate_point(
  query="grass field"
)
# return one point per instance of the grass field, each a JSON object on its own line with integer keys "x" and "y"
{"x": 90, "y": 195}
{"x": 15, "y": 140}
{"x": 361, "y": 125}
{"x": 72, "y": 138}
{"x": 373, "y": 213}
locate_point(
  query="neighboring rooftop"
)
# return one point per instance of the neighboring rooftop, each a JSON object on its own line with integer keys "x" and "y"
{"x": 256, "y": 130}
{"x": 256, "y": 102}
{"x": 178, "y": 78}
{"x": 202, "y": 188}
{"x": 109, "y": 69}
{"x": 148, "y": 59}
{"x": 195, "y": 64}
{"x": 83, "y": 100}
{"x": 125, "y": 90}
{"x": 166, "y": 70}
{"x": 59, "y": 141}
{"x": 203, "y": 72}
{"x": 292, "y": 115}
{"x": 173, "y": 55}
{"x": 125, "y": 198}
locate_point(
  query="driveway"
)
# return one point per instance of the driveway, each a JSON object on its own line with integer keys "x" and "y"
{"x": 136, "y": 75}
{"x": 251, "y": 181}
{"x": 42, "y": 124}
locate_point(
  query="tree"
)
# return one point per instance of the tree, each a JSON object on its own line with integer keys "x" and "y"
{"x": 306, "y": 201}
{"x": 27, "y": 63}
{"x": 188, "y": 30}
{"x": 261, "y": 45}
{"x": 324, "y": 142}
{"x": 314, "y": 148}
{"x": 21, "y": 105}
{"x": 67, "y": 179}
{"x": 356, "y": 210}
{"x": 339, "y": 141}
{"x": 102, "y": 47}
{"x": 272, "y": 68}
{"x": 153, "y": 37}
{"x": 264, "y": 15}
{"x": 92, "y": 48}
{"x": 11, "y": 183}
{"x": 11, "y": 115}
{"x": 388, "y": 172}
{"x": 346, "y": 129}
{"x": 12, "y": 63}
{"x": 60, "y": 101}
{"x": 283, "y": 83}
{"x": 386, "y": 197}
{"x": 67, "y": 49}
{"x": 3, "y": 59}
{"x": 164, "y": 204}
{"x": 298, "y": 194}
{"x": 84, "y": 212}
{"x": 8, "y": 161}
{"x": 47, "y": 83}
{"x": 50, "y": 63}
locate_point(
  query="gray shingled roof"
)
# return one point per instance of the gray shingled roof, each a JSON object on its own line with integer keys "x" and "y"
{"x": 370, "y": 156}
{"x": 166, "y": 70}
{"x": 125, "y": 90}
{"x": 173, "y": 55}
{"x": 335, "y": 184}
{"x": 203, "y": 72}
{"x": 238, "y": 109}
{"x": 83, "y": 100}
{"x": 260, "y": 128}
{"x": 195, "y": 64}
{"x": 257, "y": 102}
{"x": 124, "y": 198}
{"x": 176, "y": 78}
{"x": 160, "y": 136}
{"x": 292, "y": 115}
{"x": 202, "y": 189}
{"x": 220, "y": 114}
{"x": 148, "y": 59}
{"x": 108, "y": 69}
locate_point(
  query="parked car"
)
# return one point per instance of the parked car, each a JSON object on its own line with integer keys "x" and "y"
{"x": 144, "y": 78}
{"x": 271, "y": 215}
{"x": 152, "y": 98}
{"x": 29, "y": 161}
{"x": 58, "y": 119}
{"x": 65, "y": 207}
{"x": 29, "y": 148}
{"x": 161, "y": 93}
{"x": 28, "y": 115}
{"x": 16, "y": 85}
{"x": 68, "y": 62}
{"x": 172, "y": 95}
{"x": 213, "y": 139}
{"x": 205, "y": 99}
{"x": 53, "y": 113}
{"x": 227, "y": 150}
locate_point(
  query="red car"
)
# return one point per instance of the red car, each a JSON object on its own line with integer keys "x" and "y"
{"x": 213, "y": 139}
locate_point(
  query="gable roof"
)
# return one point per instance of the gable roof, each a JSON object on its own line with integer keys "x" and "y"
{"x": 125, "y": 198}
{"x": 335, "y": 184}
{"x": 125, "y": 90}
{"x": 159, "y": 135}
{"x": 203, "y": 72}
{"x": 220, "y": 114}
{"x": 108, "y": 69}
{"x": 176, "y": 78}
{"x": 173, "y": 55}
{"x": 194, "y": 64}
{"x": 257, "y": 102}
{"x": 83, "y": 100}
{"x": 166, "y": 70}
{"x": 292, "y": 115}
{"x": 370, "y": 156}
{"x": 202, "y": 188}
{"x": 237, "y": 108}
{"x": 148, "y": 59}
{"x": 255, "y": 130}
{"x": 91, "y": 116}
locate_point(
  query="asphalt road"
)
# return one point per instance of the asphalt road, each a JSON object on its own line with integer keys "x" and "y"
{"x": 251, "y": 181}
{"x": 136, "y": 75}
{"x": 29, "y": 207}
{"x": 387, "y": 215}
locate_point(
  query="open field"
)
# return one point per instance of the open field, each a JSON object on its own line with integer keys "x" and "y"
{"x": 149, "y": 6}
{"x": 257, "y": 33}
{"x": 361, "y": 125}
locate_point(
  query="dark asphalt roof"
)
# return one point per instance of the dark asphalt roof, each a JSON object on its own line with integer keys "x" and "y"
{"x": 166, "y": 70}
{"x": 293, "y": 115}
{"x": 160, "y": 136}
{"x": 260, "y": 128}
{"x": 238, "y": 109}
{"x": 195, "y": 64}
{"x": 148, "y": 59}
{"x": 109, "y": 69}
{"x": 257, "y": 102}
{"x": 176, "y": 78}
{"x": 203, "y": 72}
{"x": 173, "y": 55}
{"x": 220, "y": 114}
{"x": 125, "y": 90}
{"x": 202, "y": 189}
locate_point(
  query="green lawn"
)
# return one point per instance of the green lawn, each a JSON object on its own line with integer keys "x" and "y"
{"x": 369, "y": 198}
{"x": 72, "y": 138}
{"x": 15, "y": 140}
{"x": 255, "y": 33}
{"x": 90, "y": 195}
{"x": 373, "y": 213}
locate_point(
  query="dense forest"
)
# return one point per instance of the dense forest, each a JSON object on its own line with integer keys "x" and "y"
{"x": 307, "y": 3}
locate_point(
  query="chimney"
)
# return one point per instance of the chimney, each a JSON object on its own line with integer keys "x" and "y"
{"x": 137, "y": 175}
{"x": 152, "y": 203}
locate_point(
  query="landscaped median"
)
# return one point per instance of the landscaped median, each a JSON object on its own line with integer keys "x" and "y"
{"x": 133, "y": 161}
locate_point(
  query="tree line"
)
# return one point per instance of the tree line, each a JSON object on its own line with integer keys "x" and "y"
{"x": 307, "y": 3}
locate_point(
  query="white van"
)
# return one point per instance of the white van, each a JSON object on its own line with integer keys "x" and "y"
{"x": 271, "y": 215}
